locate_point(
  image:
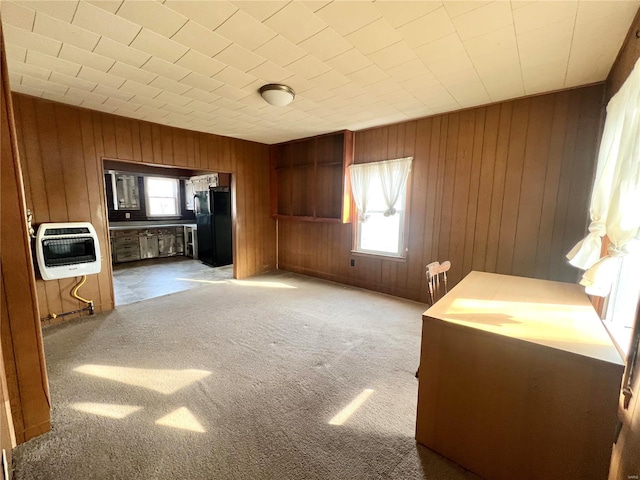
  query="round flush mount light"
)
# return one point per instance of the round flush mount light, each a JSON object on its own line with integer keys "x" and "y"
{"x": 277, "y": 95}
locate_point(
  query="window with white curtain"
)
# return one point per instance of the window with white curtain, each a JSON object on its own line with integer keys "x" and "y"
{"x": 380, "y": 193}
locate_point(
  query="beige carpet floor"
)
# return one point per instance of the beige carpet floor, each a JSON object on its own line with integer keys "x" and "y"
{"x": 237, "y": 380}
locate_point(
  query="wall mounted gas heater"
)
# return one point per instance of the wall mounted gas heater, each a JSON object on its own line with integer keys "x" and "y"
{"x": 66, "y": 250}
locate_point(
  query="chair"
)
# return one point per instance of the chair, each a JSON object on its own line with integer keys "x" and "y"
{"x": 437, "y": 283}
{"x": 437, "y": 280}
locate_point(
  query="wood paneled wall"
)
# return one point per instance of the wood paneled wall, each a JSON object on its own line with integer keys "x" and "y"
{"x": 502, "y": 188}
{"x": 62, "y": 148}
{"x": 23, "y": 367}
{"x": 625, "y": 463}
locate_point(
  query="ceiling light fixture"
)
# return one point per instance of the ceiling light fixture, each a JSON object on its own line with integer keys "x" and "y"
{"x": 277, "y": 95}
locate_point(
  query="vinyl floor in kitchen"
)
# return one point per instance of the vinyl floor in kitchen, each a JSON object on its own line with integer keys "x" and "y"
{"x": 135, "y": 281}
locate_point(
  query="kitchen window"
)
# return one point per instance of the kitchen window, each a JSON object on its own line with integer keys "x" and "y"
{"x": 162, "y": 195}
{"x": 380, "y": 194}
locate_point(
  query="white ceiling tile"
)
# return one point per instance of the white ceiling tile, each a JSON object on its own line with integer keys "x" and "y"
{"x": 44, "y": 85}
{"x": 295, "y": 22}
{"x": 325, "y": 44}
{"x": 84, "y": 57}
{"x": 61, "y": 9}
{"x": 83, "y": 94}
{"x": 120, "y": 104}
{"x": 318, "y": 94}
{"x": 31, "y": 71}
{"x": 331, "y": 80}
{"x": 245, "y": 30}
{"x": 64, "y": 32}
{"x": 48, "y": 62}
{"x": 517, "y": 4}
{"x": 349, "y": 62}
{"x": 420, "y": 82}
{"x": 17, "y": 53}
{"x": 493, "y": 43}
{"x": 542, "y": 77}
{"x": 547, "y": 44}
{"x": 112, "y": 92}
{"x": 201, "y": 82}
{"x": 537, "y": 14}
{"x": 409, "y": 70}
{"x": 148, "y": 101}
{"x": 393, "y": 55}
{"x": 14, "y": 80}
{"x": 159, "y": 46}
{"x": 74, "y": 82}
{"x": 441, "y": 49}
{"x": 427, "y": 28}
{"x": 117, "y": 51}
{"x": 100, "y": 78}
{"x": 110, "y": 6}
{"x": 347, "y": 17}
{"x": 437, "y": 98}
{"x": 201, "y": 39}
{"x": 232, "y": 93}
{"x": 153, "y": 16}
{"x": 23, "y": 38}
{"x": 200, "y": 95}
{"x": 466, "y": 88}
{"x": 233, "y": 76}
{"x": 368, "y": 75}
{"x": 27, "y": 89}
{"x": 140, "y": 89}
{"x": 260, "y": 10}
{"x": 124, "y": 70}
{"x": 197, "y": 62}
{"x": 456, "y": 8}
{"x": 17, "y": 15}
{"x": 455, "y": 64}
{"x": 97, "y": 106}
{"x": 375, "y": 36}
{"x": 281, "y": 51}
{"x": 172, "y": 98}
{"x": 172, "y": 86}
{"x": 205, "y": 13}
{"x": 240, "y": 58}
{"x": 270, "y": 72}
{"x": 166, "y": 69}
{"x": 69, "y": 99}
{"x": 485, "y": 19}
{"x": 97, "y": 20}
{"x": 401, "y": 12}
{"x": 308, "y": 67}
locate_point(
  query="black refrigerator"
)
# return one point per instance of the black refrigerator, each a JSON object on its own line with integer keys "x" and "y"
{"x": 213, "y": 217}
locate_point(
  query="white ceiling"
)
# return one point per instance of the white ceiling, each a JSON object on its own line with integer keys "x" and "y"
{"x": 353, "y": 64}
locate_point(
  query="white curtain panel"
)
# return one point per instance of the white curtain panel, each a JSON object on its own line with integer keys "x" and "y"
{"x": 393, "y": 174}
{"x": 361, "y": 176}
{"x": 615, "y": 201}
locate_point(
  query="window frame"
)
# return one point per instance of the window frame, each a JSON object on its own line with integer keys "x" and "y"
{"x": 403, "y": 241}
{"x": 176, "y": 196}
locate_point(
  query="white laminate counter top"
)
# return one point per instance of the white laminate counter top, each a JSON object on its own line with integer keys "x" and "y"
{"x": 143, "y": 227}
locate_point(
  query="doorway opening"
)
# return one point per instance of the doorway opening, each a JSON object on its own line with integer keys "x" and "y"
{"x": 170, "y": 229}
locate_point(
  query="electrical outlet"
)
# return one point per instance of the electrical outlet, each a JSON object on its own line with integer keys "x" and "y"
{"x": 353, "y": 262}
{"x": 127, "y": 215}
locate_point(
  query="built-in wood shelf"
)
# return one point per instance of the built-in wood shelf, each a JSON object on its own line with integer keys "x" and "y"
{"x": 309, "y": 178}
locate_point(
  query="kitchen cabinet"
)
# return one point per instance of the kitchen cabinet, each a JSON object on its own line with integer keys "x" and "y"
{"x": 126, "y": 191}
{"x": 143, "y": 243}
{"x": 127, "y": 246}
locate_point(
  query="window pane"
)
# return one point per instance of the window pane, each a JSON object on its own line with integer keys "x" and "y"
{"x": 161, "y": 187}
{"x": 162, "y": 206}
{"x": 381, "y": 234}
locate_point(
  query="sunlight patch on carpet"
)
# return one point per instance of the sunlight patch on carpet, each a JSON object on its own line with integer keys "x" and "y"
{"x": 110, "y": 410}
{"x": 162, "y": 381}
{"x": 183, "y": 419}
{"x": 344, "y": 414}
